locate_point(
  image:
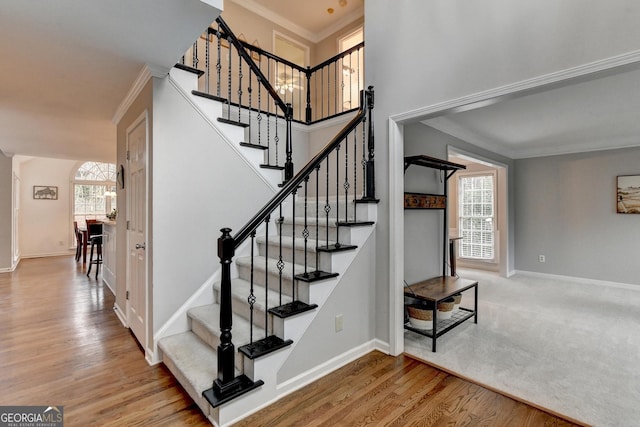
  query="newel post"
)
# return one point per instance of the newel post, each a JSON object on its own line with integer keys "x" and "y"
{"x": 227, "y": 386}
{"x": 308, "y": 113}
{"x": 288, "y": 166}
{"x": 370, "y": 192}
{"x": 226, "y": 350}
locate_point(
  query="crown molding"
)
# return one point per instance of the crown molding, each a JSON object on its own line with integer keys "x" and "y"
{"x": 144, "y": 76}
{"x": 295, "y": 28}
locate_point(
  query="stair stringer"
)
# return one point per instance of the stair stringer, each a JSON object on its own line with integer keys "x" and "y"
{"x": 267, "y": 367}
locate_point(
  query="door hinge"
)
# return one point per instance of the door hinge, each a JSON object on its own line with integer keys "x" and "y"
{"x": 127, "y": 224}
{"x": 127, "y": 294}
{"x": 128, "y": 155}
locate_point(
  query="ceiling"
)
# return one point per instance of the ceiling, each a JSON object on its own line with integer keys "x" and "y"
{"x": 597, "y": 114}
{"x": 68, "y": 65}
{"x": 307, "y": 18}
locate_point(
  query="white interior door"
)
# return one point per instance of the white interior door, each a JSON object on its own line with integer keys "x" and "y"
{"x": 136, "y": 185}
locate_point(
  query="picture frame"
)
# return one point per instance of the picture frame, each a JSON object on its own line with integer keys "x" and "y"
{"x": 45, "y": 192}
{"x": 628, "y": 194}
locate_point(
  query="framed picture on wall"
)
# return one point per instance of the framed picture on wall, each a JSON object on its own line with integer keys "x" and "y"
{"x": 45, "y": 192}
{"x": 628, "y": 194}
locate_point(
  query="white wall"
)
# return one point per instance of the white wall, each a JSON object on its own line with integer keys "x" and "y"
{"x": 446, "y": 49}
{"x": 45, "y": 225}
{"x": 353, "y": 300}
{"x": 566, "y": 210}
{"x": 200, "y": 185}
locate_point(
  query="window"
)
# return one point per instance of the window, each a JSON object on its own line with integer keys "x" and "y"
{"x": 94, "y": 190}
{"x": 476, "y": 216}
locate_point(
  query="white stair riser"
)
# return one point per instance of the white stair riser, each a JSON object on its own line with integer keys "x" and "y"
{"x": 241, "y": 308}
{"x": 320, "y": 231}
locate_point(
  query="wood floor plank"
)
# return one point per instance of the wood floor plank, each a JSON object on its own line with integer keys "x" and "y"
{"x": 61, "y": 344}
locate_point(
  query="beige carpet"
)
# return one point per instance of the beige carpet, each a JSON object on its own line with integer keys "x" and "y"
{"x": 568, "y": 346}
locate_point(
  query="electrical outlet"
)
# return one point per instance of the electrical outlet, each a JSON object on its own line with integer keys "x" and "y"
{"x": 339, "y": 322}
{"x": 541, "y": 258}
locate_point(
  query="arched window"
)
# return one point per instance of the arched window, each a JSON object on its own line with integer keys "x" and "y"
{"x": 94, "y": 189}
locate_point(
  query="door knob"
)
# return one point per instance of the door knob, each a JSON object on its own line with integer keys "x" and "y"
{"x": 141, "y": 246}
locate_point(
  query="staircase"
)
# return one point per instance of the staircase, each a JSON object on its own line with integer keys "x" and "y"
{"x": 294, "y": 258}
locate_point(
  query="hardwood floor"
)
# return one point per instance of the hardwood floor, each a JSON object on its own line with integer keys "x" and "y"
{"x": 61, "y": 344}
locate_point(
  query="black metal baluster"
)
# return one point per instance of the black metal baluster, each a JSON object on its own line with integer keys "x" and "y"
{"x": 259, "y": 117}
{"x": 280, "y": 263}
{"x": 317, "y": 217}
{"x": 335, "y": 88}
{"x": 266, "y": 277}
{"x": 194, "y": 60}
{"x": 269, "y": 116}
{"x": 338, "y": 195}
{"x": 252, "y": 297}
{"x": 293, "y": 253}
{"x": 250, "y": 90}
{"x": 346, "y": 179}
{"x": 207, "y": 64}
{"x": 364, "y": 159}
{"x": 342, "y": 85}
{"x": 327, "y": 206}
{"x": 276, "y": 139}
{"x": 219, "y": 61}
{"x": 229, "y": 83}
{"x": 239, "y": 87}
{"x": 305, "y": 231}
{"x": 355, "y": 173}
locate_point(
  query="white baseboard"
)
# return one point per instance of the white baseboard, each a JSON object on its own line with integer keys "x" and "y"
{"x": 325, "y": 368}
{"x": 48, "y": 254}
{"x": 580, "y": 280}
{"x": 121, "y": 315}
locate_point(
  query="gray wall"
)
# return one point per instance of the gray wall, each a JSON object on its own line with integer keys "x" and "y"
{"x": 566, "y": 210}
{"x": 447, "y": 49}
{"x": 6, "y": 203}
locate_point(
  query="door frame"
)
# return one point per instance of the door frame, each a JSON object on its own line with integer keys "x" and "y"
{"x": 142, "y": 118}
{"x": 396, "y": 123}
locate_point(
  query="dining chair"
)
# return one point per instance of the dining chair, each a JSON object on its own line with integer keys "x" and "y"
{"x": 95, "y": 237}
{"x": 79, "y": 240}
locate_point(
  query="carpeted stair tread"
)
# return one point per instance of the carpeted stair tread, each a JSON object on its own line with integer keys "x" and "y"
{"x": 240, "y": 291}
{"x": 208, "y": 317}
{"x": 259, "y": 265}
{"x": 195, "y": 362}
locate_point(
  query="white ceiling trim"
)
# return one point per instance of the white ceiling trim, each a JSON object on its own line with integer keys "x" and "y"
{"x": 145, "y": 74}
{"x": 579, "y": 147}
{"x": 525, "y": 87}
{"x": 295, "y": 28}
{"x": 339, "y": 24}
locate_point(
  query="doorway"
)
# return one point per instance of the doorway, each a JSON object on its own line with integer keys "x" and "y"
{"x": 481, "y": 220}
